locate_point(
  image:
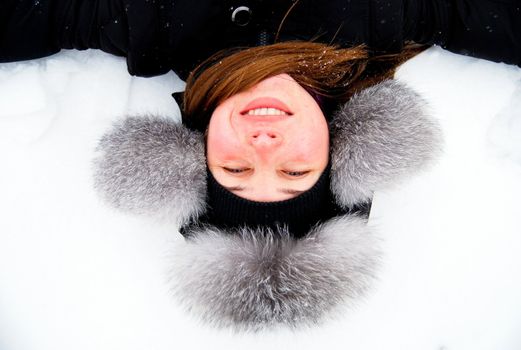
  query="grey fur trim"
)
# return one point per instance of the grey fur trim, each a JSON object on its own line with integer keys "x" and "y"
{"x": 152, "y": 165}
{"x": 380, "y": 136}
{"x": 253, "y": 280}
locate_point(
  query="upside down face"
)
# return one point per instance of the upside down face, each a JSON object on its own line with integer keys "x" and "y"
{"x": 268, "y": 143}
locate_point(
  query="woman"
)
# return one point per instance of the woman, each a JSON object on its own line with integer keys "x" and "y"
{"x": 298, "y": 136}
{"x": 272, "y": 179}
{"x": 266, "y": 114}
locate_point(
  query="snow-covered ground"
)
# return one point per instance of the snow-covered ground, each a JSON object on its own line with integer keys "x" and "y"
{"x": 75, "y": 274}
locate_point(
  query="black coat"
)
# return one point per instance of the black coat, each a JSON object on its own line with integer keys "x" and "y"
{"x": 159, "y": 35}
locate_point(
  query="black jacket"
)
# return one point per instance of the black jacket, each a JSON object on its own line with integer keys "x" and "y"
{"x": 159, "y": 35}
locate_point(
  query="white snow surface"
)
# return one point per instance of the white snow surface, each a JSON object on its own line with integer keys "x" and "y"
{"x": 77, "y": 274}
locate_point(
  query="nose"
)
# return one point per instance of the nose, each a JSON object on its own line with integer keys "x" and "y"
{"x": 265, "y": 140}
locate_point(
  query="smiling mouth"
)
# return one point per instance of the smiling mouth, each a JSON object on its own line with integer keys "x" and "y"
{"x": 265, "y": 111}
{"x": 266, "y": 106}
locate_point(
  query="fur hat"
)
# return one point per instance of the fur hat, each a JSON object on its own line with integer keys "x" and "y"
{"x": 252, "y": 278}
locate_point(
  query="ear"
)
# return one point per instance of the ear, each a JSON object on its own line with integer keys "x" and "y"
{"x": 154, "y": 166}
{"x": 253, "y": 279}
{"x": 380, "y": 136}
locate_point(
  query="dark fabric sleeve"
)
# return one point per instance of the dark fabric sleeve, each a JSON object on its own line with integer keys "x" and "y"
{"x": 150, "y": 31}
{"x": 134, "y": 29}
{"x": 386, "y": 24}
{"x": 37, "y": 28}
{"x": 26, "y": 30}
{"x": 489, "y": 29}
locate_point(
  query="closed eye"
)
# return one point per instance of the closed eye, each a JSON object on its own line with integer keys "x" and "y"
{"x": 296, "y": 173}
{"x": 235, "y": 170}
{"x": 293, "y": 174}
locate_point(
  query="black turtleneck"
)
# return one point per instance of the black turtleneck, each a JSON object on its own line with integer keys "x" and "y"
{"x": 298, "y": 215}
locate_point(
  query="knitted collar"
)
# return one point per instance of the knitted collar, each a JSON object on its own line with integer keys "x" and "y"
{"x": 297, "y": 215}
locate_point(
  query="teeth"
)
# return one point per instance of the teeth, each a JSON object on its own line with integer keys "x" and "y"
{"x": 266, "y": 111}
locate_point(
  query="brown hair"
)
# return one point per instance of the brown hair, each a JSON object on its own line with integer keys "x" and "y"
{"x": 329, "y": 71}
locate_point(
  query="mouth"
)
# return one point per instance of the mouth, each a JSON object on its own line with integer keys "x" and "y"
{"x": 265, "y": 111}
{"x": 266, "y": 106}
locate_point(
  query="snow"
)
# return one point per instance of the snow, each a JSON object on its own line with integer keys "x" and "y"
{"x": 76, "y": 274}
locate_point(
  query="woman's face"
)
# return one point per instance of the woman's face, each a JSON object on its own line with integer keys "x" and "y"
{"x": 269, "y": 143}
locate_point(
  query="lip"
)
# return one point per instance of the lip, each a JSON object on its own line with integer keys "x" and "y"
{"x": 266, "y": 102}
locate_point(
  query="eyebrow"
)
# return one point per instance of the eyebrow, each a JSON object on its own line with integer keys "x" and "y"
{"x": 282, "y": 190}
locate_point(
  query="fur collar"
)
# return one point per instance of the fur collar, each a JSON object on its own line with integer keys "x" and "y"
{"x": 250, "y": 280}
{"x": 380, "y": 137}
{"x": 154, "y": 166}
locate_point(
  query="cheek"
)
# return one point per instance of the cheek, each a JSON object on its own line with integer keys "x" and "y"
{"x": 221, "y": 142}
{"x": 312, "y": 142}
{"x": 221, "y": 148}
{"x": 315, "y": 148}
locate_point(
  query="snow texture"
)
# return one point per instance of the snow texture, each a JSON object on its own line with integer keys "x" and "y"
{"x": 77, "y": 274}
